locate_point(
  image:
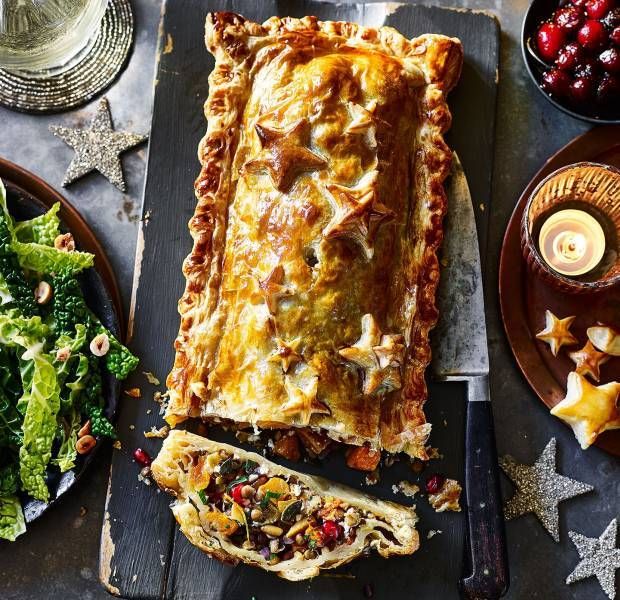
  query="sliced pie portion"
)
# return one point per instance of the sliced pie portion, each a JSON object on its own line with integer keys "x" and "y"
{"x": 239, "y": 507}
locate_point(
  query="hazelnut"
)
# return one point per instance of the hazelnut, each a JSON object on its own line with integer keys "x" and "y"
{"x": 100, "y": 345}
{"x": 63, "y": 354}
{"x": 64, "y": 242}
{"x": 85, "y": 444}
{"x": 43, "y": 292}
{"x": 247, "y": 491}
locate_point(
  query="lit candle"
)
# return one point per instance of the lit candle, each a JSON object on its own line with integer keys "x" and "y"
{"x": 572, "y": 242}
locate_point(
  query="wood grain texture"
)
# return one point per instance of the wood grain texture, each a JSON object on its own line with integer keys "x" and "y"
{"x": 143, "y": 555}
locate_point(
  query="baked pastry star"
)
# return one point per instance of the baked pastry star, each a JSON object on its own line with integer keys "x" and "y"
{"x": 302, "y": 402}
{"x": 556, "y": 332}
{"x": 380, "y": 356}
{"x": 357, "y": 213}
{"x": 589, "y": 361}
{"x": 286, "y": 353}
{"x": 285, "y": 155}
{"x": 588, "y": 409}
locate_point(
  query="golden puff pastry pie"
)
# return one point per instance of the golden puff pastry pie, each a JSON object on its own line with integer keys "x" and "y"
{"x": 311, "y": 283}
{"x": 239, "y": 507}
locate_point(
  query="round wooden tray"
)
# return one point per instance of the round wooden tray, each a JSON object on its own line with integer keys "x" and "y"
{"x": 28, "y": 196}
{"x": 524, "y": 297}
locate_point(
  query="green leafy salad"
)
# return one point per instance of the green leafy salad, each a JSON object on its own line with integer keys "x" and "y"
{"x": 51, "y": 350}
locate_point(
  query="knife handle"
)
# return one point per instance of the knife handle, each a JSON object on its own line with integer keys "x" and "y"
{"x": 486, "y": 565}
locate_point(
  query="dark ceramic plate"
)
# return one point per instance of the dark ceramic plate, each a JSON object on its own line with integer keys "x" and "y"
{"x": 27, "y": 197}
{"x": 539, "y": 11}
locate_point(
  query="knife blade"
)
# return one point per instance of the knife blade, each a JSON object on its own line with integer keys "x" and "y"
{"x": 460, "y": 353}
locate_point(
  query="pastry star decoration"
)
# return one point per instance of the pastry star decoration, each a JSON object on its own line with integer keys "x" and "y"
{"x": 97, "y": 147}
{"x": 540, "y": 489}
{"x": 286, "y": 353}
{"x": 599, "y": 557}
{"x": 589, "y": 360}
{"x": 357, "y": 212}
{"x": 272, "y": 289}
{"x": 380, "y": 356}
{"x": 556, "y": 332}
{"x": 284, "y": 154}
{"x": 302, "y": 401}
{"x": 589, "y": 409}
{"x": 362, "y": 123}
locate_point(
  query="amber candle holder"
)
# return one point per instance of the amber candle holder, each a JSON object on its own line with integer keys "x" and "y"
{"x": 570, "y": 231}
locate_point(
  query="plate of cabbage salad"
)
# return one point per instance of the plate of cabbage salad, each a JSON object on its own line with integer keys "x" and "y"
{"x": 60, "y": 363}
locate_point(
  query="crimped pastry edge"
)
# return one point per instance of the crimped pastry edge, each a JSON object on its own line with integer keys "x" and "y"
{"x": 232, "y": 39}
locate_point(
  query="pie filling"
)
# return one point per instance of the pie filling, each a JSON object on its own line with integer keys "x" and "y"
{"x": 275, "y": 516}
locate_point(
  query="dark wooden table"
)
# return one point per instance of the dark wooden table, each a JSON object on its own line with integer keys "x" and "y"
{"x": 58, "y": 558}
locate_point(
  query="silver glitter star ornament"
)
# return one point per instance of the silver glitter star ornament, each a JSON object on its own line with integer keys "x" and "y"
{"x": 97, "y": 147}
{"x": 599, "y": 557}
{"x": 540, "y": 489}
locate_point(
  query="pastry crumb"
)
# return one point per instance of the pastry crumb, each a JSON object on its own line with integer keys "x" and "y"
{"x": 432, "y": 533}
{"x": 150, "y": 378}
{"x": 433, "y": 453}
{"x": 162, "y": 432}
{"x": 373, "y": 477}
{"x": 407, "y": 488}
{"x": 117, "y": 445}
{"x": 447, "y": 498}
{"x": 133, "y": 392}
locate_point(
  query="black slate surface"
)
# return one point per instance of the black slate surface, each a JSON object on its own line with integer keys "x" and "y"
{"x": 143, "y": 556}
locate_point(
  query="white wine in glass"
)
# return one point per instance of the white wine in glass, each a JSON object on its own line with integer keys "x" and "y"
{"x": 40, "y": 38}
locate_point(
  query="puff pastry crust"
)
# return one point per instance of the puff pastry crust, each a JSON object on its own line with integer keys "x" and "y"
{"x": 387, "y": 527}
{"x": 311, "y": 283}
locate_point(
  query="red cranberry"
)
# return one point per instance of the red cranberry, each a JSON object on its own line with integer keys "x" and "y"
{"x": 582, "y": 90}
{"x": 434, "y": 483}
{"x": 236, "y": 493}
{"x": 588, "y": 67}
{"x": 592, "y": 35}
{"x": 569, "y": 56}
{"x": 568, "y": 19}
{"x": 614, "y": 36}
{"x": 142, "y": 457}
{"x": 608, "y": 91}
{"x": 556, "y": 82}
{"x": 610, "y": 59}
{"x": 612, "y": 18}
{"x": 549, "y": 40}
{"x": 597, "y": 9}
{"x": 331, "y": 530}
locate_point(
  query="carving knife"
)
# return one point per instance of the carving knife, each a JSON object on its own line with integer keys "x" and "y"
{"x": 460, "y": 353}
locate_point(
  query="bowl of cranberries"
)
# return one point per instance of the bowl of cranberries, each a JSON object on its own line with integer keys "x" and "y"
{"x": 572, "y": 51}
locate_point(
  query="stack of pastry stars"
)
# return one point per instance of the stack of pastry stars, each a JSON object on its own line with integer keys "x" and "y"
{"x": 589, "y": 409}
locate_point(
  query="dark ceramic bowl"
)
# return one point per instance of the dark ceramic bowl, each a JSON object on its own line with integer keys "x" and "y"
{"x": 22, "y": 205}
{"x": 539, "y": 11}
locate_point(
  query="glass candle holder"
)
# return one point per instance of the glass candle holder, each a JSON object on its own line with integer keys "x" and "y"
{"x": 570, "y": 230}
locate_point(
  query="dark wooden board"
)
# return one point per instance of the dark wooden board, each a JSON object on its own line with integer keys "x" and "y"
{"x": 524, "y": 299}
{"x": 142, "y": 554}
